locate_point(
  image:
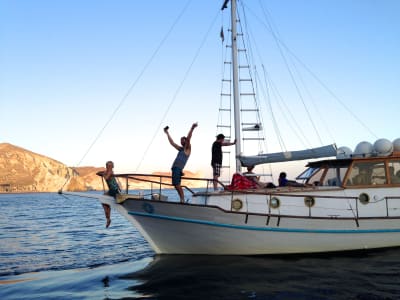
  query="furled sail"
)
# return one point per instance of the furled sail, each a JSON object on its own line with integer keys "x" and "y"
{"x": 324, "y": 151}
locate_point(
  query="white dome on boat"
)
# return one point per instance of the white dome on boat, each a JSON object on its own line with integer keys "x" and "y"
{"x": 396, "y": 145}
{"x": 383, "y": 147}
{"x": 343, "y": 152}
{"x": 363, "y": 149}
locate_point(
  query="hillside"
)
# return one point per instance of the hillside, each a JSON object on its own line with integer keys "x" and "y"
{"x": 25, "y": 171}
{"x": 22, "y": 170}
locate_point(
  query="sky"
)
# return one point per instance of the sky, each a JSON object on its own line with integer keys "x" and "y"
{"x": 84, "y": 82}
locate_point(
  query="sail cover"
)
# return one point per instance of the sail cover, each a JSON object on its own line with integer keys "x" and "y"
{"x": 324, "y": 151}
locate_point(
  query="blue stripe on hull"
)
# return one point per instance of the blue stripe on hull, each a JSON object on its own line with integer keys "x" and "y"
{"x": 254, "y": 228}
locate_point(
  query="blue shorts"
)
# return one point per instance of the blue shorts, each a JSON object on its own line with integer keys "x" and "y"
{"x": 176, "y": 175}
{"x": 216, "y": 169}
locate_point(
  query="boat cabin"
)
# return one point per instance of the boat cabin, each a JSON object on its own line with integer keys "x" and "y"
{"x": 354, "y": 172}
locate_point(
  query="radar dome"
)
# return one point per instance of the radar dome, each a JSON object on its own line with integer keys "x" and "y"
{"x": 396, "y": 145}
{"x": 363, "y": 149}
{"x": 383, "y": 147}
{"x": 343, "y": 152}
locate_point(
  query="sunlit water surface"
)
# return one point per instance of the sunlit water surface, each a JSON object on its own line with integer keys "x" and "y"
{"x": 57, "y": 247}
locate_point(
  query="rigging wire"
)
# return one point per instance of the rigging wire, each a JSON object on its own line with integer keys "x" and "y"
{"x": 248, "y": 88}
{"x": 149, "y": 61}
{"x": 324, "y": 85}
{"x": 262, "y": 122}
{"x": 315, "y": 106}
{"x": 224, "y": 120}
{"x": 128, "y": 92}
{"x": 273, "y": 117}
{"x": 134, "y": 83}
{"x": 278, "y": 44}
{"x": 248, "y": 56}
{"x": 296, "y": 128}
{"x": 224, "y": 91}
{"x": 265, "y": 93}
{"x": 251, "y": 88}
{"x": 185, "y": 76}
{"x": 333, "y": 95}
{"x": 255, "y": 87}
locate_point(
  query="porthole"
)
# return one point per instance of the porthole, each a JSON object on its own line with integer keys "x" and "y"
{"x": 274, "y": 202}
{"x": 309, "y": 201}
{"x": 237, "y": 204}
{"x": 147, "y": 207}
{"x": 364, "y": 198}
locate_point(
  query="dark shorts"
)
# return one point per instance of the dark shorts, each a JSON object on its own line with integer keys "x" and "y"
{"x": 176, "y": 176}
{"x": 113, "y": 193}
{"x": 216, "y": 169}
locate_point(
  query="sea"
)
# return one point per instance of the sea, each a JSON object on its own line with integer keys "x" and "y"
{"x": 54, "y": 246}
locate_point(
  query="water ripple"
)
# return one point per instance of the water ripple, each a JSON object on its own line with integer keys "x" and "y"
{"x": 51, "y": 232}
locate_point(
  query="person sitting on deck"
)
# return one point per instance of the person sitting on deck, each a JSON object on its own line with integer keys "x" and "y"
{"x": 283, "y": 181}
{"x": 113, "y": 188}
{"x": 256, "y": 179}
{"x": 240, "y": 182}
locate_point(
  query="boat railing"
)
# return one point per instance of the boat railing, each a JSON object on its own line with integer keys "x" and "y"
{"x": 162, "y": 181}
{"x": 385, "y": 206}
{"x": 314, "y": 203}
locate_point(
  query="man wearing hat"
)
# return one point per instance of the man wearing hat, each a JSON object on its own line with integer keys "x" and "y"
{"x": 216, "y": 157}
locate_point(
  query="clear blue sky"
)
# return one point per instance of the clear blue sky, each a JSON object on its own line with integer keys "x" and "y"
{"x": 66, "y": 66}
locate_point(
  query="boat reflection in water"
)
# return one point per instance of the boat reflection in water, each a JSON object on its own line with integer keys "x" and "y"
{"x": 356, "y": 275}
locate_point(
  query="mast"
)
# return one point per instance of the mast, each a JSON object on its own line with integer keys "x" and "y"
{"x": 235, "y": 85}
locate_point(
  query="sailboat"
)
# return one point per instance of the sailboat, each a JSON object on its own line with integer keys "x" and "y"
{"x": 349, "y": 200}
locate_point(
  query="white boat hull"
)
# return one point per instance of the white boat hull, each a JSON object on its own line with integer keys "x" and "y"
{"x": 174, "y": 228}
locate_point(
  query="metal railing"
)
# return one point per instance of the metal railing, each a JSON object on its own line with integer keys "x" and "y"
{"x": 353, "y": 205}
{"x": 163, "y": 181}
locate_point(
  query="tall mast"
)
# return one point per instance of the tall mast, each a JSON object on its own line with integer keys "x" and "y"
{"x": 235, "y": 84}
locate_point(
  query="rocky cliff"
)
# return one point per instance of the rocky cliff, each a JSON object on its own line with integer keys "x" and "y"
{"x": 24, "y": 171}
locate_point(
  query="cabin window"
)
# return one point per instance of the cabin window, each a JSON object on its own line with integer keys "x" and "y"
{"x": 394, "y": 171}
{"x": 316, "y": 178}
{"x": 334, "y": 176}
{"x": 367, "y": 173}
{"x": 379, "y": 174}
{"x": 307, "y": 173}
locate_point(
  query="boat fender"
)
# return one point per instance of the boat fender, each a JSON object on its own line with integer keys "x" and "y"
{"x": 274, "y": 202}
{"x": 237, "y": 204}
{"x": 309, "y": 201}
{"x": 364, "y": 198}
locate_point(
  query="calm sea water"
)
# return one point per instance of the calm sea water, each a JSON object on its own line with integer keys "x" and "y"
{"x": 54, "y": 247}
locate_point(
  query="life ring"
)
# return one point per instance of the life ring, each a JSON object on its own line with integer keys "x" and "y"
{"x": 237, "y": 204}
